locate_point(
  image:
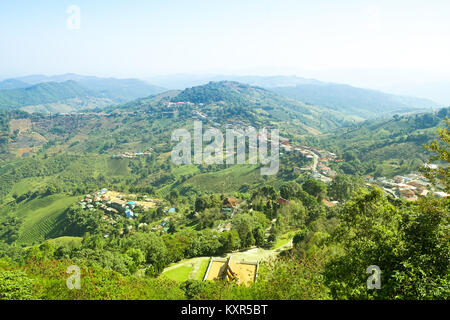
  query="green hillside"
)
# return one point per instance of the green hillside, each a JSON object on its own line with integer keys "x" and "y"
{"x": 70, "y": 92}
{"x": 42, "y": 93}
{"x": 354, "y": 101}
{"x": 385, "y": 147}
{"x": 42, "y": 218}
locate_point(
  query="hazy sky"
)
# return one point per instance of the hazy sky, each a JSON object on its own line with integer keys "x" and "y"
{"x": 358, "y": 42}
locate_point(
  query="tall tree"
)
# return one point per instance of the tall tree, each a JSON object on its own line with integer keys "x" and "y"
{"x": 441, "y": 151}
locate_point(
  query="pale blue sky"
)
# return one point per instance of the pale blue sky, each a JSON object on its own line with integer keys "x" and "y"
{"x": 345, "y": 41}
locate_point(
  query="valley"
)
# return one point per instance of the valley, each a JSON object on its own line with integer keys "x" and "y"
{"x": 98, "y": 188}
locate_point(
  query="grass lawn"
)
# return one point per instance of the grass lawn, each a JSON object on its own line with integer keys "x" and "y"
{"x": 179, "y": 274}
{"x": 70, "y": 242}
{"x": 284, "y": 239}
{"x": 202, "y": 270}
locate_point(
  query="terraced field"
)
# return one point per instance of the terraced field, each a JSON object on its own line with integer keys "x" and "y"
{"x": 42, "y": 218}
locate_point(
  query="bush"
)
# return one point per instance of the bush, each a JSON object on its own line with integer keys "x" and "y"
{"x": 15, "y": 285}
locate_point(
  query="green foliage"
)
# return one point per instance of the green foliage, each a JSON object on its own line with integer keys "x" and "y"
{"x": 292, "y": 214}
{"x": 289, "y": 190}
{"x": 441, "y": 150}
{"x": 408, "y": 243}
{"x": 343, "y": 186}
{"x": 79, "y": 221}
{"x": 9, "y": 229}
{"x": 153, "y": 248}
{"x": 192, "y": 288}
{"x": 314, "y": 187}
{"x": 15, "y": 285}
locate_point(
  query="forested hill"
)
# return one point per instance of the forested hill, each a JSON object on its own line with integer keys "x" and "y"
{"x": 9, "y": 84}
{"x": 385, "y": 147}
{"x": 70, "y": 92}
{"x": 233, "y": 101}
{"x": 351, "y": 100}
{"x": 120, "y": 89}
{"x": 42, "y": 93}
{"x": 365, "y": 103}
{"x": 230, "y": 92}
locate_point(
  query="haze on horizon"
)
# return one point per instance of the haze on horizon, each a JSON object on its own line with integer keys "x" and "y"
{"x": 387, "y": 45}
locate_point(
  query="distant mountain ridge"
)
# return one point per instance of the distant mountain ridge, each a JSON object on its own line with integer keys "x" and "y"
{"x": 40, "y": 89}
{"x": 10, "y": 84}
{"x": 365, "y": 103}
{"x": 351, "y": 100}
{"x": 46, "y": 92}
{"x": 181, "y": 82}
{"x": 344, "y": 99}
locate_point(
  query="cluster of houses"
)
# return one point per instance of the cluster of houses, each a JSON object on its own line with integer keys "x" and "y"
{"x": 170, "y": 103}
{"x": 319, "y": 168}
{"x": 164, "y": 225}
{"x": 409, "y": 187}
{"x": 113, "y": 202}
{"x": 125, "y": 205}
{"x": 130, "y": 155}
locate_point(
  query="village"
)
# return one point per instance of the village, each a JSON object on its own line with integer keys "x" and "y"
{"x": 319, "y": 168}
{"x": 411, "y": 186}
{"x": 130, "y": 155}
{"x": 113, "y": 202}
{"x": 320, "y": 160}
{"x": 128, "y": 205}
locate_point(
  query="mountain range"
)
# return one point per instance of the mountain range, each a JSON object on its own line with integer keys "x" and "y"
{"x": 72, "y": 92}
{"x": 361, "y": 102}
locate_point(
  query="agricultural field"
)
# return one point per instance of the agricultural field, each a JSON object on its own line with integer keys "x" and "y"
{"x": 227, "y": 180}
{"x": 70, "y": 242}
{"x": 42, "y": 217}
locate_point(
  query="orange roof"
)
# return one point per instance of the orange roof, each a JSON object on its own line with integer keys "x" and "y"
{"x": 230, "y": 202}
